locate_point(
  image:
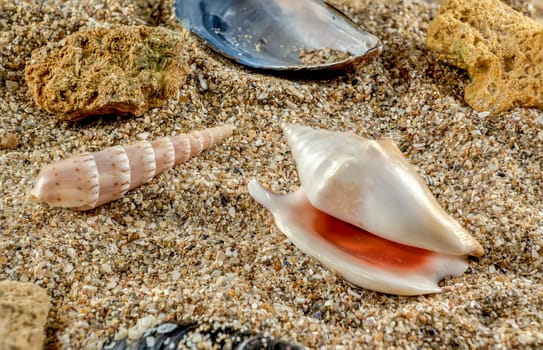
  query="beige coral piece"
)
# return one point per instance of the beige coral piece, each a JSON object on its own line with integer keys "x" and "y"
{"x": 125, "y": 70}
{"x": 23, "y": 311}
{"x": 501, "y": 49}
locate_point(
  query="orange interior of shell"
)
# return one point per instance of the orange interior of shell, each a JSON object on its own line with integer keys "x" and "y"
{"x": 360, "y": 243}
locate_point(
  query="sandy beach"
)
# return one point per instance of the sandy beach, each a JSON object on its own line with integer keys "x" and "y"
{"x": 193, "y": 245}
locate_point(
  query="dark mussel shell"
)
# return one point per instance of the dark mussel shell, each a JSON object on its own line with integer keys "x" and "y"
{"x": 193, "y": 335}
{"x": 274, "y": 34}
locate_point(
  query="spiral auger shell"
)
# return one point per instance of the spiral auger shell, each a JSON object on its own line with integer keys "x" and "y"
{"x": 89, "y": 180}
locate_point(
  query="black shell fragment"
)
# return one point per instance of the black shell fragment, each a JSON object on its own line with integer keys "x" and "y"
{"x": 273, "y": 34}
{"x": 199, "y": 336}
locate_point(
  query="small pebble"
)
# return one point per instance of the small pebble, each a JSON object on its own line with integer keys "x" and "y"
{"x": 8, "y": 140}
{"x": 12, "y": 85}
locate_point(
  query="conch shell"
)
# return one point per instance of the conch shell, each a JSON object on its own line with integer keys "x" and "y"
{"x": 89, "y": 180}
{"x": 363, "y": 211}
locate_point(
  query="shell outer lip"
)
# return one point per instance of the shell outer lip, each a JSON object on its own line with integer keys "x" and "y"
{"x": 353, "y": 270}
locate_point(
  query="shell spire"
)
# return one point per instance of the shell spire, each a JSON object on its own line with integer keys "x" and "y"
{"x": 88, "y": 180}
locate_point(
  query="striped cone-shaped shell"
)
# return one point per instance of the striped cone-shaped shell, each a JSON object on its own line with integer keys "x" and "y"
{"x": 89, "y": 180}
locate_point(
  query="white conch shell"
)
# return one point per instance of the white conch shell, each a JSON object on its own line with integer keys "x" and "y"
{"x": 363, "y": 211}
{"x": 88, "y": 180}
{"x": 370, "y": 184}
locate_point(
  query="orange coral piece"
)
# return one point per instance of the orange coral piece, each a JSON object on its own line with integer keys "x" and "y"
{"x": 125, "y": 70}
{"x": 501, "y": 49}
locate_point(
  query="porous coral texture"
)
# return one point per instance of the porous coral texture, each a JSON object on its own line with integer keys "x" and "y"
{"x": 23, "y": 311}
{"x": 501, "y": 49}
{"x": 126, "y": 70}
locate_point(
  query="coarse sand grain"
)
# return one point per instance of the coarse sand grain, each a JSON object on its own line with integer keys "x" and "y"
{"x": 192, "y": 244}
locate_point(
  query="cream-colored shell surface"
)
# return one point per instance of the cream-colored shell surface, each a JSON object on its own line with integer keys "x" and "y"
{"x": 370, "y": 184}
